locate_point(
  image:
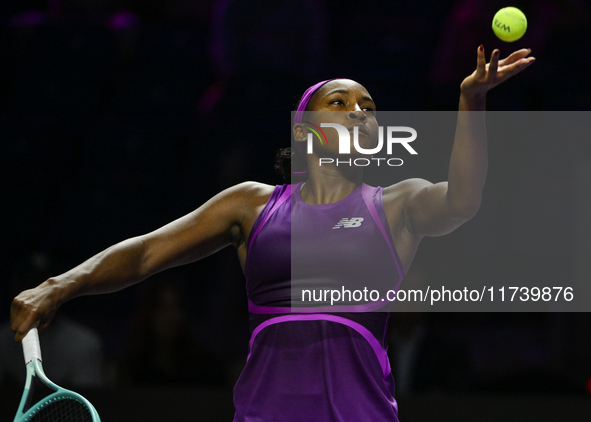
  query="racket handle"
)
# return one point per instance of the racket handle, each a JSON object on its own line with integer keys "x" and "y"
{"x": 31, "y": 347}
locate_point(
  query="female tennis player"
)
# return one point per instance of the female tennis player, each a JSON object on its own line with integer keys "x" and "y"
{"x": 306, "y": 366}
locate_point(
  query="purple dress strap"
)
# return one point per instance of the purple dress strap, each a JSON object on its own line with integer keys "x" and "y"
{"x": 367, "y": 194}
{"x": 284, "y": 197}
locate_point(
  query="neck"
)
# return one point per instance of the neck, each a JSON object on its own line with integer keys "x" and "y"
{"x": 329, "y": 185}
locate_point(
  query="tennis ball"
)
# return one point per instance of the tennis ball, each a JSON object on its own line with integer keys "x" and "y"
{"x": 509, "y": 24}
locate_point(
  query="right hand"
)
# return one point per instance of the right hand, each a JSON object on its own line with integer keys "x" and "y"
{"x": 488, "y": 75}
{"x": 33, "y": 308}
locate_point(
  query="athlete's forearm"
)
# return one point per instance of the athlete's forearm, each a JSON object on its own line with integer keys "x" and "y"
{"x": 469, "y": 162}
{"x": 113, "y": 269}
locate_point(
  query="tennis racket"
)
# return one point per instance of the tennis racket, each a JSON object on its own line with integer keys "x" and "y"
{"x": 60, "y": 406}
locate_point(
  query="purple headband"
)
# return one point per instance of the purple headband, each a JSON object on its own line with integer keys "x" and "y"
{"x": 299, "y": 115}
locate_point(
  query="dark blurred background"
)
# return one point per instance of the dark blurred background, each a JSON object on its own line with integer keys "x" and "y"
{"x": 117, "y": 117}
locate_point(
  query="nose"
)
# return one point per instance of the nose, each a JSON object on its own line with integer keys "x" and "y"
{"x": 357, "y": 114}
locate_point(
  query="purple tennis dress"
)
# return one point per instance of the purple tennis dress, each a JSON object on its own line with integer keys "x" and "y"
{"x": 316, "y": 362}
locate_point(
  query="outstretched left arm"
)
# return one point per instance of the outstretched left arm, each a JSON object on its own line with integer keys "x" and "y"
{"x": 437, "y": 209}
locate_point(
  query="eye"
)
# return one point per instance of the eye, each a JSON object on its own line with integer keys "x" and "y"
{"x": 337, "y": 102}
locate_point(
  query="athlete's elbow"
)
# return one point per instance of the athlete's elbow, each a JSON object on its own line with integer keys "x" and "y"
{"x": 463, "y": 203}
{"x": 467, "y": 210}
{"x": 464, "y": 207}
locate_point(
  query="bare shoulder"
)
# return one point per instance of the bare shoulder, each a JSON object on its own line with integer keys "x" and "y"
{"x": 248, "y": 199}
{"x": 256, "y": 189}
{"x": 249, "y": 193}
{"x": 238, "y": 205}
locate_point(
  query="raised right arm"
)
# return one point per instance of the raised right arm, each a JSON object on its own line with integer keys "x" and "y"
{"x": 223, "y": 220}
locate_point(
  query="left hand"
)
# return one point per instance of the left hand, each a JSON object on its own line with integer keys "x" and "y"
{"x": 489, "y": 75}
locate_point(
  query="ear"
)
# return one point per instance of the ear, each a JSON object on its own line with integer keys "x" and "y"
{"x": 300, "y": 133}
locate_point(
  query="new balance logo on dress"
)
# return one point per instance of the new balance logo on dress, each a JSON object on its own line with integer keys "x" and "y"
{"x": 349, "y": 223}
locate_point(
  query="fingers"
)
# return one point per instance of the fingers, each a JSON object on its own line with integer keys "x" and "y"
{"x": 494, "y": 65}
{"x": 21, "y": 319}
{"x": 514, "y": 68}
{"x": 488, "y": 75}
{"x": 24, "y": 328}
{"x": 500, "y": 70}
{"x": 34, "y": 307}
{"x": 480, "y": 62}
{"x": 515, "y": 56}
{"x": 522, "y": 65}
{"x": 25, "y": 314}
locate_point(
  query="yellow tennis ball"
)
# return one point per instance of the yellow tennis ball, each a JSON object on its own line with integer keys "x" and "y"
{"x": 509, "y": 24}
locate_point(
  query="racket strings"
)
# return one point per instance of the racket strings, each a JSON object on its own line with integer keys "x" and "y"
{"x": 62, "y": 410}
